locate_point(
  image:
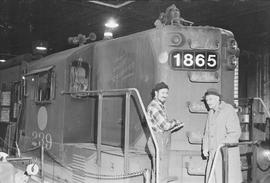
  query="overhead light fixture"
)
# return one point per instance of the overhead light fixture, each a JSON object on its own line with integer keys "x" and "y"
{"x": 108, "y": 34}
{"x": 3, "y": 60}
{"x": 111, "y": 23}
{"x": 40, "y": 47}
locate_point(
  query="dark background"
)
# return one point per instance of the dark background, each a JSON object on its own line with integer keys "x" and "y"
{"x": 25, "y": 21}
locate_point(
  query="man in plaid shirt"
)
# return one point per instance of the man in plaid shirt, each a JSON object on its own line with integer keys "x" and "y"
{"x": 162, "y": 127}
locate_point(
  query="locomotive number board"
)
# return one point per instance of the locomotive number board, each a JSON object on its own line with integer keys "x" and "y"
{"x": 195, "y": 60}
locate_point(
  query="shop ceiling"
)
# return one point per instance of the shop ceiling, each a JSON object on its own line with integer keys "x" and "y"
{"x": 24, "y": 21}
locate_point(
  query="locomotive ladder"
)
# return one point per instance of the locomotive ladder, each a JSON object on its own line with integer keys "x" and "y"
{"x": 118, "y": 92}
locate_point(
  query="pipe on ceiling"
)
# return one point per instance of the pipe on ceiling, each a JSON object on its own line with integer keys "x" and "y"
{"x": 111, "y": 5}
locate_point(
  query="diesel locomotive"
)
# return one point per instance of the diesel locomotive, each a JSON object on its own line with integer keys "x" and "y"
{"x": 85, "y": 107}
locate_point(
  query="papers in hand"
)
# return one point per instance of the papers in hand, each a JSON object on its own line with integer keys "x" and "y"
{"x": 177, "y": 126}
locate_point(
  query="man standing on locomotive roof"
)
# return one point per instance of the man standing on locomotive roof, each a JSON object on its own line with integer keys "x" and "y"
{"x": 162, "y": 128}
{"x": 222, "y": 126}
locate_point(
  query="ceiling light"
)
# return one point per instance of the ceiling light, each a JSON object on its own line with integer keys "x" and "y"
{"x": 2, "y": 60}
{"x": 40, "y": 47}
{"x": 108, "y": 35}
{"x": 111, "y": 24}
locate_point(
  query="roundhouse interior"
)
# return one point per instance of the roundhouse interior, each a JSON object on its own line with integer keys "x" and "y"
{"x": 24, "y": 24}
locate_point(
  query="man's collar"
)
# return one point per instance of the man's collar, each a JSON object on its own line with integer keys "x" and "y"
{"x": 220, "y": 106}
{"x": 157, "y": 101}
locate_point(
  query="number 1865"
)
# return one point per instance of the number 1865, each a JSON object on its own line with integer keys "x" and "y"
{"x": 192, "y": 60}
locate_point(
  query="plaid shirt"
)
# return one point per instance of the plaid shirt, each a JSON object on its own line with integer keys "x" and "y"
{"x": 158, "y": 117}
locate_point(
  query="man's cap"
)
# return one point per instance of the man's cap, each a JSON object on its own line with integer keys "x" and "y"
{"x": 160, "y": 85}
{"x": 212, "y": 91}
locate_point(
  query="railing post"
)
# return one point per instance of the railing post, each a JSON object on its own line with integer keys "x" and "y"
{"x": 127, "y": 122}
{"x": 252, "y": 139}
{"x": 225, "y": 169}
{"x": 254, "y": 163}
{"x": 147, "y": 176}
{"x": 9, "y": 138}
{"x": 251, "y": 124}
{"x": 100, "y": 100}
{"x": 42, "y": 162}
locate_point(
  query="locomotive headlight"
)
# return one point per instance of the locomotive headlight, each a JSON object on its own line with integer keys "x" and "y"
{"x": 232, "y": 46}
{"x": 232, "y": 62}
{"x": 177, "y": 40}
{"x": 232, "y": 52}
{"x": 163, "y": 57}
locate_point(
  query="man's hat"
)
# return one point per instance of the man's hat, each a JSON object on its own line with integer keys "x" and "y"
{"x": 212, "y": 91}
{"x": 160, "y": 85}
{"x": 157, "y": 87}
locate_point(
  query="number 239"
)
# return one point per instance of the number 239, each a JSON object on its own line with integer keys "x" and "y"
{"x": 43, "y": 139}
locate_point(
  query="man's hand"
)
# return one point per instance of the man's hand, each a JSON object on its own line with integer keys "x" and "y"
{"x": 205, "y": 153}
{"x": 179, "y": 124}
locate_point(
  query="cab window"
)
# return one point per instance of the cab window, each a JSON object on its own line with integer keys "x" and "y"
{"x": 44, "y": 86}
{"x": 41, "y": 84}
{"x": 79, "y": 76}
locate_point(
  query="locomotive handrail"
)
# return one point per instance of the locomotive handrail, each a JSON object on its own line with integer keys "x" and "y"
{"x": 225, "y": 165}
{"x": 264, "y": 106}
{"x": 261, "y": 101}
{"x": 135, "y": 90}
